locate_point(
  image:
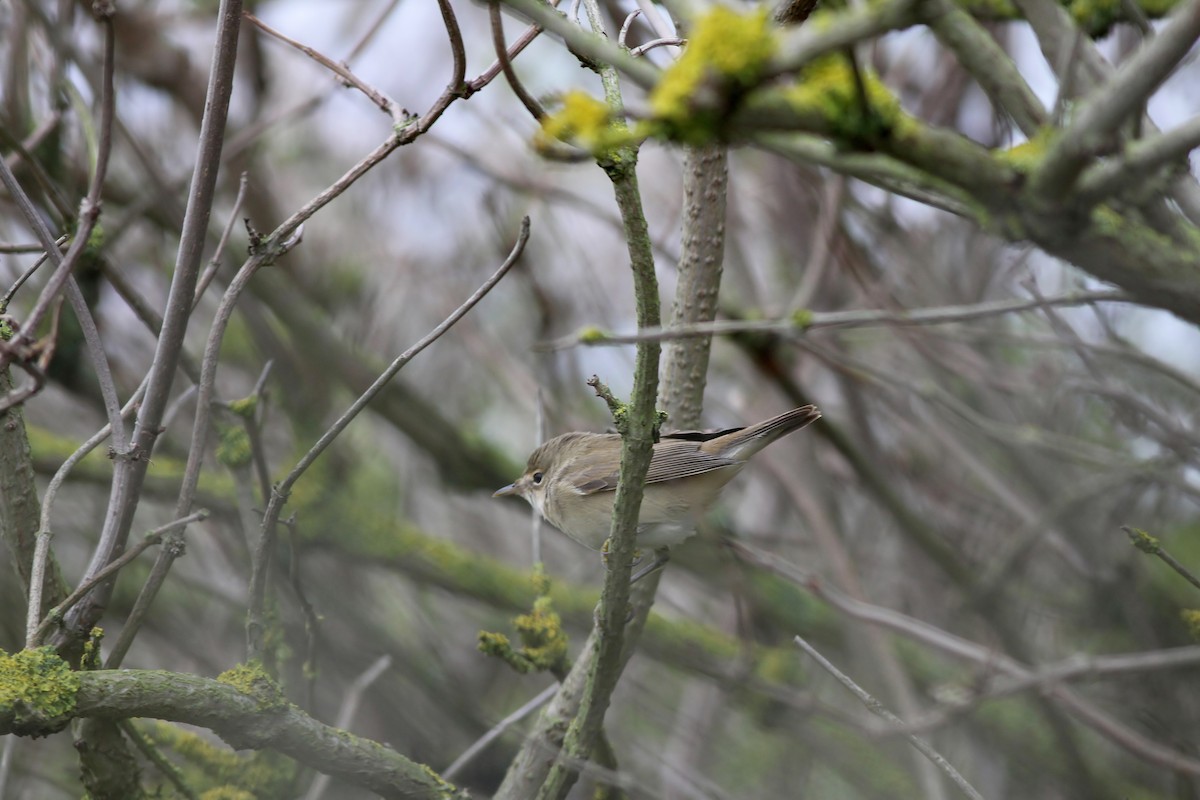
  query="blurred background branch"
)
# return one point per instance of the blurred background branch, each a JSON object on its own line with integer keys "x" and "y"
{"x": 966, "y": 231}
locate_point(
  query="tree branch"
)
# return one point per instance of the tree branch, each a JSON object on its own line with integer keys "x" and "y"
{"x": 246, "y": 721}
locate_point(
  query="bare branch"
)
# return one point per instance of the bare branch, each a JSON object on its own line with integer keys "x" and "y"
{"x": 805, "y": 321}
{"x": 1104, "y": 724}
{"x": 130, "y": 470}
{"x": 152, "y": 538}
{"x": 531, "y": 105}
{"x": 1139, "y": 161}
{"x": 987, "y": 62}
{"x": 480, "y": 744}
{"x": 281, "y": 490}
{"x": 346, "y": 714}
{"x": 1115, "y": 102}
{"x": 238, "y": 717}
{"x": 385, "y": 103}
{"x": 877, "y": 708}
{"x": 1149, "y": 545}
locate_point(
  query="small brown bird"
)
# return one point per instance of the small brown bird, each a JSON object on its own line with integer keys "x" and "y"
{"x": 572, "y": 479}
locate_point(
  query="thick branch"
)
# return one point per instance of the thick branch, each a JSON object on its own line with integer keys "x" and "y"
{"x": 248, "y": 722}
{"x": 1117, "y": 101}
{"x": 987, "y": 62}
{"x": 705, "y": 185}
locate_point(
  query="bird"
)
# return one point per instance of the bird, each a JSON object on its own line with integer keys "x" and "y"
{"x": 571, "y": 480}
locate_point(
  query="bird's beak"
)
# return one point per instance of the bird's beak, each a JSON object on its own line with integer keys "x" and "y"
{"x": 507, "y": 491}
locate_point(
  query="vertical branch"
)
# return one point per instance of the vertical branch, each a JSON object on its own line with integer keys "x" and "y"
{"x": 587, "y": 690}
{"x": 130, "y": 469}
{"x": 107, "y": 767}
{"x": 705, "y": 187}
{"x": 19, "y": 512}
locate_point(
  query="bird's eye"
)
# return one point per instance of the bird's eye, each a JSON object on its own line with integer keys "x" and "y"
{"x": 537, "y": 478}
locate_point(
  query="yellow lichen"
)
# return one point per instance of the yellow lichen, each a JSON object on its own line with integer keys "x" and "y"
{"x": 543, "y": 640}
{"x": 591, "y": 335}
{"x": 91, "y": 650}
{"x": 252, "y": 680}
{"x": 855, "y": 107}
{"x": 725, "y": 55}
{"x": 1191, "y": 618}
{"x": 585, "y": 121}
{"x": 1028, "y": 154}
{"x": 227, "y": 793}
{"x": 37, "y": 689}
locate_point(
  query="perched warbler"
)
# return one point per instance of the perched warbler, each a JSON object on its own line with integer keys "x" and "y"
{"x": 572, "y": 479}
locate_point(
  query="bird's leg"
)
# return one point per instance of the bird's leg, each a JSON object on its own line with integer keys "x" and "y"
{"x": 661, "y": 556}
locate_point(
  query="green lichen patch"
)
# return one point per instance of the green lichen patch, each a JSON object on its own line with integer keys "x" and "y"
{"x": 233, "y": 446}
{"x": 724, "y": 58}
{"x": 227, "y": 793}
{"x": 244, "y": 407}
{"x": 856, "y": 107}
{"x": 1143, "y": 541}
{"x": 1097, "y": 17}
{"x": 1028, "y": 155}
{"x": 252, "y": 680}
{"x": 37, "y": 691}
{"x": 802, "y": 318}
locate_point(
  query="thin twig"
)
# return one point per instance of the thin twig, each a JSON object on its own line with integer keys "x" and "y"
{"x": 253, "y": 425}
{"x": 130, "y": 472}
{"x": 27, "y": 274}
{"x": 1148, "y": 544}
{"x": 283, "y": 237}
{"x": 385, "y": 103}
{"x": 523, "y": 41}
{"x": 200, "y": 428}
{"x": 510, "y": 74}
{"x": 457, "y": 49}
{"x": 312, "y": 620}
{"x": 625, "y": 26}
{"x": 152, "y": 538}
{"x": 1077, "y": 667}
{"x": 350, "y": 704}
{"x": 671, "y": 41}
{"x": 612, "y": 638}
{"x": 88, "y": 214}
{"x": 1099, "y": 721}
{"x": 152, "y": 753}
{"x": 805, "y": 321}
{"x": 279, "y": 494}
{"x": 877, "y": 708}
{"x": 41, "y": 554}
{"x": 83, "y": 314}
{"x": 214, "y": 263}
{"x": 480, "y": 744}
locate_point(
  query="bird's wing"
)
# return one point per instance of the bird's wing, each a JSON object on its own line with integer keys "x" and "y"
{"x": 672, "y": 459}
